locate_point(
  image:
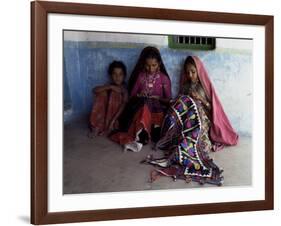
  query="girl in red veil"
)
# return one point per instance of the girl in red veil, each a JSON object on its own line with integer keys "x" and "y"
{"x": 194, "y": 125}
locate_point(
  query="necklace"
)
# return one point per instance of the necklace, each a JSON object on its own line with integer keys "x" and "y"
{"x": 150, "y": 82}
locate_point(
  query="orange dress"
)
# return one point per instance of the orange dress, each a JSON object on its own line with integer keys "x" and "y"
{"x": 105, "y": 107}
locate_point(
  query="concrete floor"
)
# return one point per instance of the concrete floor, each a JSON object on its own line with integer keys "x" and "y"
{"x": 99, "y": 165}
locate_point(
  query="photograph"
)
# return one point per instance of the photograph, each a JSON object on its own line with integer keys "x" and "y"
{"x": 151, "y": 112}
{"x": 129, "y": 112}
{"x": 140, "y": 112}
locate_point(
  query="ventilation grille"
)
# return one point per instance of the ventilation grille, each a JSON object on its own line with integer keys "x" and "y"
{"x": 192, "y": 42}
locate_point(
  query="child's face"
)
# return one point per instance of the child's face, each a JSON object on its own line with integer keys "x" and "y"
{"x": 151, "y": 65}
{"x": 191, "y": 73}
{"x": 117, "y": 76}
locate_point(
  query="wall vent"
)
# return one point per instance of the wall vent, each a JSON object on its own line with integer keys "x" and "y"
{"x": 191, "y": 42}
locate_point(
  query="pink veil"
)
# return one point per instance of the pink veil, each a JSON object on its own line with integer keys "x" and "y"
{"x": 221, "y": 131}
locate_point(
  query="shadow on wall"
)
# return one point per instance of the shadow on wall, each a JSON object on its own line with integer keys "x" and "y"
{"x": 85, "y": 66}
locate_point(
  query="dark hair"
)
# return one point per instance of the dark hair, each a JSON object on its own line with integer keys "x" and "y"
{"x": 188, "y": 60}
{"x": 147, "y": 53}
{"x": 117, "y": 64}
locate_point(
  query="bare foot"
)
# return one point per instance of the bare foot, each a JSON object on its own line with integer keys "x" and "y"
{"x": 91, "y": 134}
{"x": 101, "y": 134}
{"x": 153, "y": 146}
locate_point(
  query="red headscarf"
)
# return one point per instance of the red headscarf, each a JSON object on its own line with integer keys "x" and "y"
{"x": 221, "y": 131}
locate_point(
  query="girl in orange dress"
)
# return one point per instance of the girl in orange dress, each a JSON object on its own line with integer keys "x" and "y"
{"x": 109, "y": 101}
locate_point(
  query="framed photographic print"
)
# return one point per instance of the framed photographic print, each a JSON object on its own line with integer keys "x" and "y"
{"x": 147, "y": 112}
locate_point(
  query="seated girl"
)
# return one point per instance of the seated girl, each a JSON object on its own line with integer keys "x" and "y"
{"x": 194, "y": 125}
{"x": 150, "y": 92}
{"x": 109, "y": 101}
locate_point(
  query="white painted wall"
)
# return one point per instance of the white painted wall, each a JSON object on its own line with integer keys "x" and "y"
{"x": 159, "y": 40}
{"x": 156, "y": 40}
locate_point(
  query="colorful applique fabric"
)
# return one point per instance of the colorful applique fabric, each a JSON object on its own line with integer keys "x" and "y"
{"x": 183, "y": 140}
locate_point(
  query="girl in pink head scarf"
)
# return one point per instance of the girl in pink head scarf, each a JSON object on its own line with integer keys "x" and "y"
{"x": 221, "y": 131}
{"x": 194, "y": 125}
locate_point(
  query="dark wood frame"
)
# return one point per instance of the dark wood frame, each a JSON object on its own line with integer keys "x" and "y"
{"x": 39, "y": 107}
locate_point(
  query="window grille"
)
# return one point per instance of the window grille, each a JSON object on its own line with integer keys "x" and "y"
{"x": 191, "y": 42}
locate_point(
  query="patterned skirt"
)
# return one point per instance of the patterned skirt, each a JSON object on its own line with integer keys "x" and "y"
{"x": 186, "y": 144}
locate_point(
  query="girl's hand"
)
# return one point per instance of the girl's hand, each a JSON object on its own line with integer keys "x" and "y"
{"x": 171, "y": 102}
{"x": 142, "y": 95}
{"x": 116, "y": 88}
{"x": 155, "y": 97}
{"x": 196, "y": 96}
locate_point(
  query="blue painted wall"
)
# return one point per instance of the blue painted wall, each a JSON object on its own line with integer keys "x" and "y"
{"x": 85, "y": 66}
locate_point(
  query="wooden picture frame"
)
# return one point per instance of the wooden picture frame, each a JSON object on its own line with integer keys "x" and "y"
{"x": 39, "y": 112}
